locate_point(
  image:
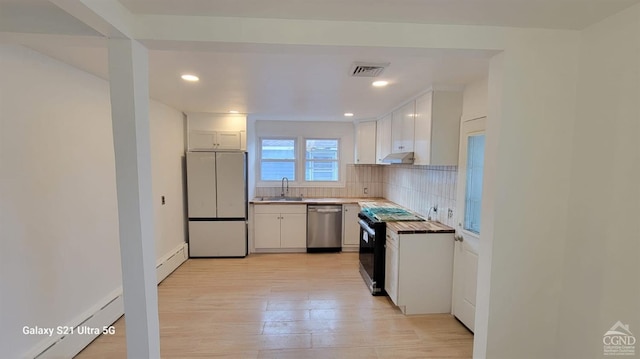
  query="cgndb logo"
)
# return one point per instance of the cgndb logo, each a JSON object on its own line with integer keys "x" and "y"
{"x": 619, "y": 340}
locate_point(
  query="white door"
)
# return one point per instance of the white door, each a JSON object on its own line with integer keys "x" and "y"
{"x": 470, "y": 172}
{"x": 350, "y": 225}
{"x": 267, "y": 230}
{"x": 201, "y": 184}
{"x": 228, "y": 140}
{"x": 231, "y": 183}
{"x": 293, "y": 230}
{"x": 217, "y": 238}
{"x": 383, "y": 138}
{"x": 366, "y": 142}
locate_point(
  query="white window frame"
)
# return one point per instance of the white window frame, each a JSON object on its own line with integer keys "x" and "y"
{"x": 296, "y": 157}
{"x": 300, "y": 163}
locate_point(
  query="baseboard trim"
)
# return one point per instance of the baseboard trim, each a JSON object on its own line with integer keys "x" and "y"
{"x": 171, "y": 261}
{"x": 102, "y": 315}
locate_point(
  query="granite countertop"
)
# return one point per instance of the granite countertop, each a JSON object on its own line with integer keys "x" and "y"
{"x": 321, "y": 200}
{"x": 409, "y": 227}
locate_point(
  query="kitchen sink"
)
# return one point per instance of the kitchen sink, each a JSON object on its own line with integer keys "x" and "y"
{"x": 281, "y": 198}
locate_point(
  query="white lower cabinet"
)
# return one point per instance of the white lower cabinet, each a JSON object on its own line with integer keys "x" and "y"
{"x": 419, "y": 271}
{"x": 280, "y": 226}
{"x": 350, "y": 227}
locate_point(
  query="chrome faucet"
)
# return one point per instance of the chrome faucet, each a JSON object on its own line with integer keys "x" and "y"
{"x": 283, "y": 180}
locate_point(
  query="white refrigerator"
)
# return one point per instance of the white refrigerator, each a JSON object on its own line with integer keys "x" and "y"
{"x": 217, "y": 204}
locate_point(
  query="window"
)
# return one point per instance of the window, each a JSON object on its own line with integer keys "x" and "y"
{"x": 321, "y": 160}
{"x": 278, "y": 159}
{"x": 473, "y": 195}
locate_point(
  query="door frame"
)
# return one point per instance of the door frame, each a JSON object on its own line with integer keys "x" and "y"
{"x": 470, "y": 241}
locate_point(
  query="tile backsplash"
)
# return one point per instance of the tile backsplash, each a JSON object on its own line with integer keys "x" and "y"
{"x": 358, "y": 178}
{"x": 419, "y": 188}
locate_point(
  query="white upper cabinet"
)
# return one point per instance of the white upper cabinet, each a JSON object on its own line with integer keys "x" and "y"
{"x": 365, "y": 143}
{"x": 402, "y": 128}
{"x": 383, "y": 138}
{"x": 216, "y": 132}
{"x": 437, "y": 128}
{"x": 214, "y": 140}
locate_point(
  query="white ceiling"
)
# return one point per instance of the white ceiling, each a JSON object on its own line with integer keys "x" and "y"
{"x": 294, "y": 81}
{"x": 556, "y": 14}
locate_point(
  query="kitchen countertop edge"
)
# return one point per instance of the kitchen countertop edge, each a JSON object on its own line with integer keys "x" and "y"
{"x": 417, "y": 227}
{"x": 322, "y": 200}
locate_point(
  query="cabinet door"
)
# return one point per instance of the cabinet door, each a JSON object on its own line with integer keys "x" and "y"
{"x": 408, "y": 112}
{"x": 202, "y": 140}
{"x": 391, "y": 270}
{"x": 228, "y": 140}
{"x": 422, "y": 135}
{"x": 383, "y": 138}
{"x": 201, "y": 184}
{"x": 366, "y": 142}
{"x": 396, "y": 131}
{"x": 267, "y": 230}
{"x": 293, "y": 230}
{"x": 350, "y": 225}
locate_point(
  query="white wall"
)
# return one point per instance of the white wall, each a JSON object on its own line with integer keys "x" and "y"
{"x": 525, "y": 196}
{"x": 59, "y": 253}
{"x": 475, "y": 100}
{"x": 602, "y": 252}
{"x": 167, "y": 166}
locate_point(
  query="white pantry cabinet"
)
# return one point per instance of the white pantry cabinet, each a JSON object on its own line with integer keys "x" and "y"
{"x": 350, "y": 227}
{"x": 419, "y": 271}
{"x": 437, "y": 128}
{"x": 280, "y": 226}
{"x": 365, "y": 143}
{"x": 383, "y": 138}
{"x": 402, "y": 128}
{"x": 200, "y": 140}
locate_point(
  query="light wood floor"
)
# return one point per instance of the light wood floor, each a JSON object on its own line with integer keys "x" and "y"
{"x": 286, "y": 306}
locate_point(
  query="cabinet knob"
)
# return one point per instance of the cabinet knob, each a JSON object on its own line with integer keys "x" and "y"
{"x": 458, "y": 239}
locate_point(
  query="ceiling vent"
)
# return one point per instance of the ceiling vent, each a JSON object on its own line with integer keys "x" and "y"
{"x": 364, "y": 69}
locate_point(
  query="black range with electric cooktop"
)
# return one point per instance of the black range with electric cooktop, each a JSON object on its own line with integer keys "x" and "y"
{"x": 373, "y": 218}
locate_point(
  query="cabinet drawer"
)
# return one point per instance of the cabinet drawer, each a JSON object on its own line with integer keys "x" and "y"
{"x": 280, "y": 208}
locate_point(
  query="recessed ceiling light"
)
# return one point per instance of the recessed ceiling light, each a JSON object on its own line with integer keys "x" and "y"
{"x": 189, "y": 77}
{"x": 234, "y": 111}
{"x": 380, "y": 83}
{"x": 348, "y": 114}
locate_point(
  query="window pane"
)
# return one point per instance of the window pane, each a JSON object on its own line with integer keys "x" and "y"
{"x": 278, "y": 149}
{"x": 321, "y": 160}
{"x": 321, "y": 171}
{"x": 275, "y": 170}
{"x": 473, "y": 196}
{"x": 322, "y": 149}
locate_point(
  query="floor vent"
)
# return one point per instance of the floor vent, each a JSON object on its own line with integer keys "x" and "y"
{"x": 363, "y": 69}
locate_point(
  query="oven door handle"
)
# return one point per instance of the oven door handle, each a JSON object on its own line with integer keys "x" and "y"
{"x": 366, "y": 227}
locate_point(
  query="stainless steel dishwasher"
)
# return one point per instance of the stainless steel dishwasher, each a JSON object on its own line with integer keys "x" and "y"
{"x": 324, "y": 228}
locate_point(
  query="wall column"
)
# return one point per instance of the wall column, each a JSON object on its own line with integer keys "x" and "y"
{"x": 129, "y": 86}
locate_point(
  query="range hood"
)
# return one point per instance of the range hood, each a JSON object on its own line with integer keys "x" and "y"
{"x": 401, "y": 157}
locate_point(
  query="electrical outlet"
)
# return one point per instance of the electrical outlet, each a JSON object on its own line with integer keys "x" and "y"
{"x": 163, "y": 201}
{"x": 450, "y": 213}
{"x": 365, "y": 190}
